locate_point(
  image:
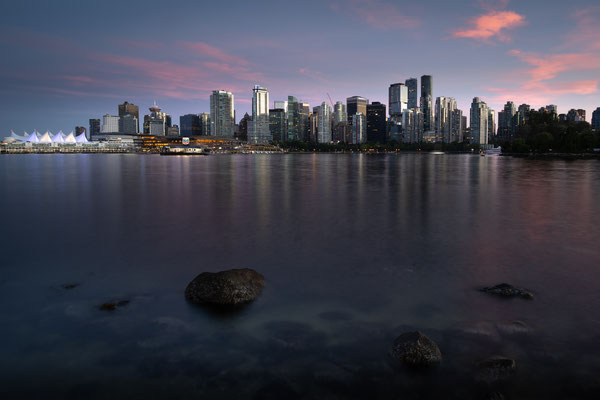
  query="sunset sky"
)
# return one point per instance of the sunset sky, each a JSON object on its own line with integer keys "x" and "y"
{"x": 67, "y": 61}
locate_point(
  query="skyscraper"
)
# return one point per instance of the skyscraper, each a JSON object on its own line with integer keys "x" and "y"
{"x": 281, "y": 104}
{"x": 293, "y": 120}
{"x": 277, "y": 124}
{"x": 427, "y": 102}
{"x": 479, "y": 121}
{"x": 222, "y": 114}
{"x": 110, "y": 124}
{"x": 412, "y": 125}
{"x": 398, "y": 100}
{"x": 204, "y": 124}
{"x": 340, "y": 113}
{"x": 259, "y": 130}
{"x": 156, "y": 122}
{"x": 356, "y": 104}
{"x": 491, "y": 125}
{"x": 596, "y": 119}
{"x": 130, "y": 109}
{"x": 458, "y": 126}
{"x": 79, "y": 130}
{"x": 376, "y": 122}
{"x": 94, "y": 128}
{"x": 412, "y": 86}
{"x": 128, "y": 124}
{"x": 507, "y": 122}
{"x": 324, "y": 123}
{"x": 359, "y": 129}
{"x": 444, "y": 109}
{"x": 303, "y": 122}
{"x": 189, "y": 125}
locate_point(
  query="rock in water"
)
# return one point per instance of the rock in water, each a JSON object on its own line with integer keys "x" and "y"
{"x": 231, "y": 287}
{"x": 495, "y": 369}
{"x": 506, "y": 290}
{"x": 416, "y": 349}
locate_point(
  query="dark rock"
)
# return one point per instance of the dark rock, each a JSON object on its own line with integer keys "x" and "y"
{"x": 513, "y": 328}
{"x": 112, "y": 305}
{"x": 70, "y": 286}
{"x": 495, "y": 369}
{"x": 506, "y": 290}
{"x": 416, "y": 349}
{"x": 495, "y": 396}
{"x": 232, "y": 287}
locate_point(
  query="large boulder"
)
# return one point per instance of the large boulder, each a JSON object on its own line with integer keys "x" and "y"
{"x": 416, "y": 349}
{"x": 506, "y": 290}
{"x": 495, "y": 369}
{"x": 231, "y": 287}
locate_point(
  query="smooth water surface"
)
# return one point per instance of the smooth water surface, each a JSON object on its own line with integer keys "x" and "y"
{"x": 355, "y": 250}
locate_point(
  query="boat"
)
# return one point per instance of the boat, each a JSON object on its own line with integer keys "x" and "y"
{"x": 184, "y": 151}
{"x": 494, "y": 152}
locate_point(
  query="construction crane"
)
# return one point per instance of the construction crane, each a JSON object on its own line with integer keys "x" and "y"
{"x": 330, "y": 101}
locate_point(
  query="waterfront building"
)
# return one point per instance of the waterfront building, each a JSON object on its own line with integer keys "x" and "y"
{"x": 189, "y": 125}
{"x": 80, "y": 130}
{"x": 356, "y": 104}
{"x": 258, "y": 129}
{"x": 293, "y": 121}
{"x": 359, "y": 128}
{"x": 412, "y": 125}
{"x": 340, "y": 113}
{"x": 522, "y": 114}
{"x": 491, "y": 125}
{"x": 444, "y": 110}
{"x": 398, "y": 100}
{"x": 242, "y": 131}
{"x": 172, "y": 131}
{"x": 479, "y": 121}
{"x": 128, "y": 124}
{"x": 395, "y": 129}
{"x": 427, "y": 102}
{"x": 281, "y": 105}
{"x": 222, "y": 114}
{"x": 341, "y": 132}
{"x": 458, "y": 126}
{"x": 376, "y": 122}
{"x": 130, "y": 109}
{"x": 157, "y": 122}
{"x": 507, "y": 122}
{"x": 412, "y": 87}
{"x": 313, "y": 126}
{"x": 110, "y": 124}
{"x": 94, "y": 127}
{"x": 204, "y": 124}
{"x": 303, "y": 123}
{"x": 596, "y": 119}
{"x": 324, "y": 123}
{"x": 277, "y": 124}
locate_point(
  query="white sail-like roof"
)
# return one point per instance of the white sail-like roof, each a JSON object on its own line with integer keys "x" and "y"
{"x": 18, "y": 138}
{"x": 81, "y": 138}
{"x": 33, "y": 138}
{"x": 46, "y": 138}
{"x": 58, "y": 138}
{"x": 70, "y": 138}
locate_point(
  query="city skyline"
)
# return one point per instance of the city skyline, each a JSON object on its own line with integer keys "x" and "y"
{"x": 62, "y": 71}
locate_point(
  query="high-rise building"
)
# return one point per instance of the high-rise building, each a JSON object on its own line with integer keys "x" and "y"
{"x": 204, "y": 124}
{"x": 356, "y": 104}
{"x": 128, "y": 124}
{"x": 157, "y": 122}
{"x": 412, "y": 125}
{"x": 313, "y": 126}
{"x": 222, "y": 114}
{"x": 79, "y": 130}
{"x": 94, "y": 128}
{"x": 412, "y": 86}
{"x": 189, "y": 125}
{"x": 427, "y": 102}
{"x": 303, "y": 122}
{"x": 376, "y": 122}
{"x": 324, "y": 123}
{"x": 359, "y": 129}
{"x": 576, "y": 115}
{"x": 293, "y": 120}
{"x": 596, "y": 119}
{"x": 110, "y": 124}
{"x": 130, "y": 109}
{"x": 172, "y": 131}
{"x": 340, "y": 113}
{"x": 522, "y": 114}
{"x": 458, "y": 126}
{"x": 282, "y": 105}
{"x": 258, "y": 129}
{"x": 491, "y": 125}
{"x": 398, "y": 100}
{"x": 242, "y": 131}
{"x": 479, "y": 121}
{"x": 507, "y": 122}
{"x": 277, "y": 124}
{"x": 444, "y": 109}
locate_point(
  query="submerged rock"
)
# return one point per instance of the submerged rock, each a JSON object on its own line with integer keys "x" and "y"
{"x": 495, "y": 369}
{"x": 231, "y": 287}
{"x": 69, "y": 286}
{"x": 506, "y": 290}
{"x": 112, "y": 305}
{"x": 513, "y": 328}
{"x": 416, "y": 349}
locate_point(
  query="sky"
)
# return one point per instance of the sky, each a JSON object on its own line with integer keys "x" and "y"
{"x": 66, "y": 61}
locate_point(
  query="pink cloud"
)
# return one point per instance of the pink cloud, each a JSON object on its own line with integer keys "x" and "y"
{"x": 491, "y": 25}
{"x": 209, "y": 51}
{"x": 545, "y": 67}
{"x": 376, "y": 13}
{"x": 587, "y": 29}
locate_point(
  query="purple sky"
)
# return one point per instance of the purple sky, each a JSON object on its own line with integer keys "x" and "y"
{"x": 67, "y": 61}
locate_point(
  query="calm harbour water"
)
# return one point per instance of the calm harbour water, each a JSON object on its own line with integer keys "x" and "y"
{"x": 355, "y": 250}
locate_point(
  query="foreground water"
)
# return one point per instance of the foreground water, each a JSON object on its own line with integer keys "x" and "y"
{"x": 356, "y": 249}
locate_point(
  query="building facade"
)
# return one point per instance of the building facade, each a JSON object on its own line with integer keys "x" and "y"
{"x": 110, "y": 124}
{"x": 277, "y": 124}
{"x": 398, "y": 100}
{"x": 356, "y": 104}
{"x": 222, "y": 114}
{"x": 376, "y": 122}
{"x": 324, "y": 123}
{"x": 259, "y": 131}
{"x": 427, "y": 102}
{"x": 479, "y": 121}
{"x": 359, "y": 129}
{"x": 130, "y": 109}
{"x": 94, "y": 127}
{"x": 596, "y": 119}
{"x": 189, "y": 125}
{"x": 444, "y": 112}
{"x": 412, "y": 86}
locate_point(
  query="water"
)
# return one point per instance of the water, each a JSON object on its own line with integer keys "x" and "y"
{"x": 355, "y": 249}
